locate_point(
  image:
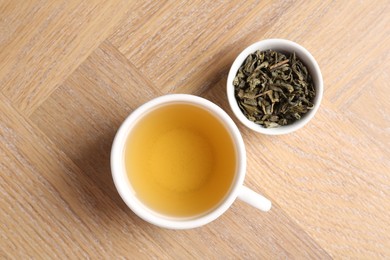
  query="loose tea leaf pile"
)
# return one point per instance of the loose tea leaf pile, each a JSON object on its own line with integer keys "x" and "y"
{"x": 272, "y": 89}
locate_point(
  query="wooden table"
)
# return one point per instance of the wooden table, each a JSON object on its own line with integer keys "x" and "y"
{"x": 71, "y": 71}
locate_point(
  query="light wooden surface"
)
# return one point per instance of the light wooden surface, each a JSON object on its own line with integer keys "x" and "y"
{"x": 71, "y": 71}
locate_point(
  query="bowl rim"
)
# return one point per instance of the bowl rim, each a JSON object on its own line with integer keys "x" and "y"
{"x": 282, "y": 45}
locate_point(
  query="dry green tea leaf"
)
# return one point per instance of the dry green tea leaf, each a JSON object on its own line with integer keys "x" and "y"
{"x": 272, "y": 89}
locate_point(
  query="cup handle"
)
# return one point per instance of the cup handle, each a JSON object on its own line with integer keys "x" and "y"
{"x": 254, "y": 199}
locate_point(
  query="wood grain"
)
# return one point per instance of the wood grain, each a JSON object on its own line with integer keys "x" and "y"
{"x": 191, "y": 54}
{"x": 314, "y": 197}
{"x": 71, "y": 71}
{"x": 42, "y": 43}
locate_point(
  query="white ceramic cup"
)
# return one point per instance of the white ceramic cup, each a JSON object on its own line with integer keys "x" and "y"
{"x": 237, "y": 189}
{"x": 284, "y": 46}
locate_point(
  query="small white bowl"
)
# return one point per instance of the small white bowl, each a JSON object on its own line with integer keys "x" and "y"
{"x": 284, "y": 46}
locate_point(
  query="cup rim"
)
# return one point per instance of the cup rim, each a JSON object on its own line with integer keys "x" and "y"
{"x": 278, "y": 45}
{"x": 122, "y": 183}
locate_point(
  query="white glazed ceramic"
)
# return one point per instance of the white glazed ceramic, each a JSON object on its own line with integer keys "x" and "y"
{"x": 237, "y": 189}
{"x": 286, "y": 47}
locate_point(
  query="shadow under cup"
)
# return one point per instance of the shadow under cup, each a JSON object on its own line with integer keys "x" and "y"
{"x": 177, "y": 161}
